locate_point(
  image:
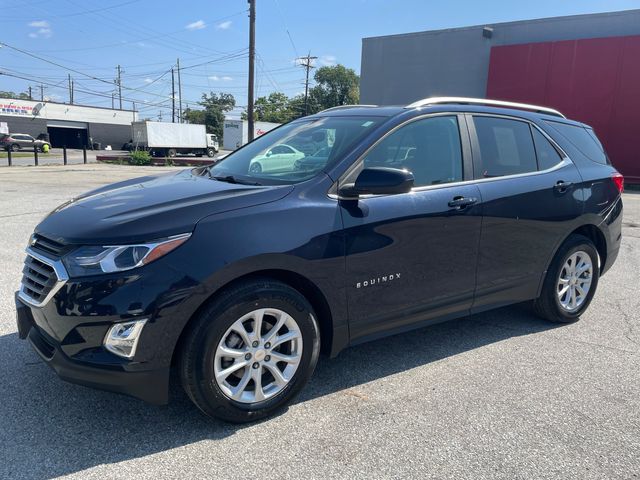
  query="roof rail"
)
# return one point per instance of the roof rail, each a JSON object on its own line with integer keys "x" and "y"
{"x": 343, "y": 107}
{"x": 484, "y": 101}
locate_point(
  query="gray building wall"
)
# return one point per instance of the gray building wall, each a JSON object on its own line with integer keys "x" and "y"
{"x": 399, "y": 69}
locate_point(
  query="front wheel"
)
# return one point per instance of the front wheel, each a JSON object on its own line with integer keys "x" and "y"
{"x": 571, "y": 281}
{"x": 211, "y": 152}
{"x": 15, "y": 147}
{"x": 255, "y": 167}
{"x": 250, "y": 352}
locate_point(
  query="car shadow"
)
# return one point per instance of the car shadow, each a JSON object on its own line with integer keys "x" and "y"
{"x": 50, "y": 428}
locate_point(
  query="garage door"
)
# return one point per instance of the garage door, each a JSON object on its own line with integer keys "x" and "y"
{"x": 68, "y": 134}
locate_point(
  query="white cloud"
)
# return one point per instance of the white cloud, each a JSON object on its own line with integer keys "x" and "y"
{"x": 148, "y": 80}
{"x": 327, "y": 60}
{"x": 216, "y": 78}
{"x": 224, "y": 25}
{"x": 43, "y": 29}
{"x": 198, "y": 25}
{"x": 39, "y": 24}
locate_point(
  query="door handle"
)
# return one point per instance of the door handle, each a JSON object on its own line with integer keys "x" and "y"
{"x": 561, "y": 186}
{"x": 460, "y": 203}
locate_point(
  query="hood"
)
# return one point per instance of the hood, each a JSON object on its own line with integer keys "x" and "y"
{"x": 147, "y": 208}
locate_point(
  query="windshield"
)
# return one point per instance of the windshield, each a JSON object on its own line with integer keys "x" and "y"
{"x": 296, "y": 151}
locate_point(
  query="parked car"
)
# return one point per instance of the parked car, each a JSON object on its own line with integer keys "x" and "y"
{"x": 21, "y": 141}
{"x": 279, "y": 158}
{"x": 239, "y": 279}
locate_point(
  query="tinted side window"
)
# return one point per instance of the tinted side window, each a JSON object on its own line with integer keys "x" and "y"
{"x": 506, "y": 147}
{"x": 582, "y": 140}
{"x": 429, "y": 148}
{"x": 547, "y": 155}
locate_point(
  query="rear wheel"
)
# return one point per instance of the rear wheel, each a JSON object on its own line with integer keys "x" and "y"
{"x": 571, "y": 281}
{"x": 15, "y": 147}
{"x": 171, "y": 153}
{"x": 250, "y": 352}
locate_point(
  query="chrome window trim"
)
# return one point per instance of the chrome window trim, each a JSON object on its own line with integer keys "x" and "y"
{"x": 566, "y": 160}
{"x": 61, "y": 275}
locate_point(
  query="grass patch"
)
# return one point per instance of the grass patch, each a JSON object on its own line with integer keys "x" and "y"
{"x": 19, "y": 155}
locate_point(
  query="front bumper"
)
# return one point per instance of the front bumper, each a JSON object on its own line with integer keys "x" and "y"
{"x": 116, "y": 376}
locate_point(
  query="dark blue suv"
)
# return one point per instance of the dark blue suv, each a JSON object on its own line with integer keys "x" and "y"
{"x": 331, "y": 230}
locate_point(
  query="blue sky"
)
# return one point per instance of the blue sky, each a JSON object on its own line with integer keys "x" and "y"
{"x": 210, "y": 37}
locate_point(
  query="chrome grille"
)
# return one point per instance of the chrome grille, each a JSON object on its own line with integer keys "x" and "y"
{"x": 42, "y": 277}
{"x": 49, "y": 246}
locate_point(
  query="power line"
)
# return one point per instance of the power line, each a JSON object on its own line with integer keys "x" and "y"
{"x": 286, "y": 29}
{"x": 91, "y": 92}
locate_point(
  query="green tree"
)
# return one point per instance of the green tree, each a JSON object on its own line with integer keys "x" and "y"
{"x": 274, "y": 108}
{"x": 212, "y": 116}
{"x": 335, "y": 85}
{"x": 21, "y": 96}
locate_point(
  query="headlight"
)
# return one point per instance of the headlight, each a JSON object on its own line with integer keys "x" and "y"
{"x": 93, "y": 260}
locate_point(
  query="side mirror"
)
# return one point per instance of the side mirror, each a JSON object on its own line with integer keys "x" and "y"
{"x": 379, "y": 181}
{"x": 269, "y": 153}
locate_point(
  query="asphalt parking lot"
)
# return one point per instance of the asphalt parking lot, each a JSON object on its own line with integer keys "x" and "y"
{"x": 498, "y": 395}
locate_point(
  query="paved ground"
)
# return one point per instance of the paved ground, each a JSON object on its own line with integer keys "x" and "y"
{"x": 498, "y": 395}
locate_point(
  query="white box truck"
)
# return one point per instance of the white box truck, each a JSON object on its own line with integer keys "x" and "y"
{"x": 235, "y": 131}
{"x": 170, "y": 139}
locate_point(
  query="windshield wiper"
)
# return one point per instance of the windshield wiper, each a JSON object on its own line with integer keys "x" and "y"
{"x": 232, "y": 179}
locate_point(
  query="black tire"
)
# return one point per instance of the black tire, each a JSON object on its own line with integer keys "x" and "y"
{"x": 255, "y": 168}
{"x": 548, "y": 305}
{"x": 38, "y": 149}
{"x": 211, "y": 152}
{"x": 15, "y": 147}
{"x": 171, "y": 153}
{"x": 207, "y": 330}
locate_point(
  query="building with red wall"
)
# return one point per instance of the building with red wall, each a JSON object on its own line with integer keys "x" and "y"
{"x": 586, "y": 66}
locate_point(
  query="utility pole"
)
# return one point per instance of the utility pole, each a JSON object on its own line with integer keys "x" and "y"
{"x": 160, "y": 116}
{"x": 252, "y": 61}
{"x": 30, "y": 96}
{"x": 173, "y": 97}
{"x": 41, "y": 93}
{"x": 134, "y": 111}
{"x": 70, "y": 89}
{"x": 306, "y": 62}
{"x": 113, "y": 104}
{"x": 119, "y": 83}
{"x": 179, "y": 93}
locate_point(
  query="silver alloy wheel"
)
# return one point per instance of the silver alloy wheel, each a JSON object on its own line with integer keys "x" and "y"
{"x": 258, "y": 355}
{"x": 574, "y": 281}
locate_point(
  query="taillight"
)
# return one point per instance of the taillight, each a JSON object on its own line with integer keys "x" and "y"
{"x": 618, "y": 179}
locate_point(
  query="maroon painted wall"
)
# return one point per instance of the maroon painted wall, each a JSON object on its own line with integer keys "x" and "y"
{"x": 595, "y": 81}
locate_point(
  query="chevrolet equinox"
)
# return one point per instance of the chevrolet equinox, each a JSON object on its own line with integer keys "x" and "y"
{"x": 384, "y": 219}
